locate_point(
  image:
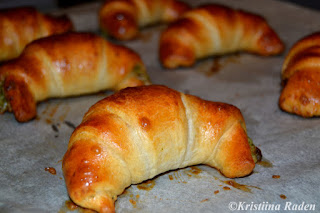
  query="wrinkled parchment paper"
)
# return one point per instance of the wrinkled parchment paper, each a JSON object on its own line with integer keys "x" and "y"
{"x": 288, "y": 177}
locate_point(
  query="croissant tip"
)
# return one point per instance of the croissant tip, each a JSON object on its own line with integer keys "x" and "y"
{"x": 173, "y": 55}
{"x": 107, "y": 206}
{"x": 271, "y": 44}
{"x": 19, "y": 99}
{"x": 118, "y": 19}
{"x": 247, "y": 169}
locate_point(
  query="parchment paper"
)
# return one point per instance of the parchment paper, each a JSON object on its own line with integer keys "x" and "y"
{"x": 290, "y": 144}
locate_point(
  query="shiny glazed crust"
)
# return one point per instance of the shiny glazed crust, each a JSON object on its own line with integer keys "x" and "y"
{"x": 301, "y": 78}
{"x": 122, "y": 19}
{"x": 216, "y": 30}
{"x": 67, "y": 65}
{"x": 140, "y": 132}
{"x": 20, "y": 26}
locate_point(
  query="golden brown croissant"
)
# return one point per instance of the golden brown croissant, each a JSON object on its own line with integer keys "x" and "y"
{"x": 66, "y": 65}
{"x": 215, "y": 30}
{"x": 301, "y": 78}
{"x": 122, "y": 18}
{"x": 20, "y": 26}
{"x": 140, "y": 132}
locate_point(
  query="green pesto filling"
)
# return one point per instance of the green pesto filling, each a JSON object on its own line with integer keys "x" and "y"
{"x": 4, "y": 105}
{"x": 139, "y": 71}
{"x": 255, "y": 151}
{"x": 104, "y": 34}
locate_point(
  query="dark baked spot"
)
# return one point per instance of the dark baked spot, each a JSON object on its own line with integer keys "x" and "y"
{"x": 304, "y": 100}
{"x": 145, "y": 123}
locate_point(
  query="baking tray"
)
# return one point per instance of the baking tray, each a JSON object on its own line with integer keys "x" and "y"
{"x": 288, "y": 175}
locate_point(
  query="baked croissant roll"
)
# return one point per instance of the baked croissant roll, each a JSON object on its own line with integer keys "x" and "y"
{"x": 216, "y": 30}
{"x": 140, "y": 132}
{"x": 301, "y": 78}
{"x": 20, "y": 26}
{"x": 122, "y": 19}
{"x": 66, "y": 65}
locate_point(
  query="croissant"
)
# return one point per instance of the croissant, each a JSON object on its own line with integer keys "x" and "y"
{"x": 66, "y": 65}
{"x": 122, "y": 19}
{"x": 216, "y": 30}
{"x": 301, "y": 78}
{"x": 140, "y": 132}
{"x": 20, "y": 26}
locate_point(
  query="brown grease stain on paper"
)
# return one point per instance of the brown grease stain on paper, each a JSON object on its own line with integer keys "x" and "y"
{"x": 282, "y": 196}
{"x": 65, "y": 113}
{"x": 133, "y": 202}
{"x": 71, "y": 206}
{"x": 51, "y": 170}
{"x": 177, "y": 176}
{"x": 54, "y": 110}
{"x": 195, "y": 170}
{"x": 46, "y": 108}
{"x": 212, "y": 67}
{"x": 234, "y": 184}
{"x": 205, "y": 200}
{"x": 239, "y": 186}
{"x": 50, "y": 111}
{"x": 226, "y": 188}
{"x": 265, "y": 163}
{"x": 134, "y": 199}
{"x": 275, "y": 176}
{"x": 147, "y": 185}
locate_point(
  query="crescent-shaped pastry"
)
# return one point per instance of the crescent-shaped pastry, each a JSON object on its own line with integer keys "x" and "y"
{"x": 216, "y": 30}
{"x": 140, "y": 132}
{"x": 20, "y": 26}
{"x": 122, "y": 19}
{"x": 64, "y": 65}
{"x": 301, "y": 78}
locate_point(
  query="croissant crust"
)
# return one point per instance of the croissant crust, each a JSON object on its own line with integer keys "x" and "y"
{"x": 20, "y": 26}
{"x": 301, "y": 78}
{"x": 64, "y": 65}
{"x": 122, "y": 19}
{"x": 143, "y": 131}
{"x": 216, "y": 30}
